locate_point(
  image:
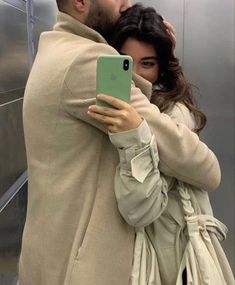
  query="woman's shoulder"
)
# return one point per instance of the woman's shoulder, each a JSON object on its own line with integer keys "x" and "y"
{"x": 179, "y": 113}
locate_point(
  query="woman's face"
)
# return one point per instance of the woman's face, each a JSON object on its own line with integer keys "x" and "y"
{"x": 145, "y": 62}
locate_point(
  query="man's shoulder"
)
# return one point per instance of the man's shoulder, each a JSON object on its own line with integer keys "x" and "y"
{"x": 85, "y": 53}
{"x": 76, "y": 43}
{"x": 98, "y": 48}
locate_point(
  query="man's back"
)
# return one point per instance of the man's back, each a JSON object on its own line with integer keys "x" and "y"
{"x": 73, "y": 233}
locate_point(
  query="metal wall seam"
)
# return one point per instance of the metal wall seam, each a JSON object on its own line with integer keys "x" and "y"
{"x": 30, "y": 27}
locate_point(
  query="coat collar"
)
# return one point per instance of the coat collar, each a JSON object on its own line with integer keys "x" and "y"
{"x": 144, "y": 85}
{"x": 67, "y": 23}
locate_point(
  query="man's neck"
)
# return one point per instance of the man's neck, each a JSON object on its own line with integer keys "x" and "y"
{"x": 79, "y": 17}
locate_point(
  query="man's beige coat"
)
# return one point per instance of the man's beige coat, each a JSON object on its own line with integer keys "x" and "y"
{"x": 74, "y": 234}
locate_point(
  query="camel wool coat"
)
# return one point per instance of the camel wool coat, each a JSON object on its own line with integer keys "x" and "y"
{"x": 74, "y": 234}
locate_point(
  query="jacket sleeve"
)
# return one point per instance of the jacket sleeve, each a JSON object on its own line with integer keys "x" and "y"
{"x": 140, "y": 190}
{"x": 182, "y": 154}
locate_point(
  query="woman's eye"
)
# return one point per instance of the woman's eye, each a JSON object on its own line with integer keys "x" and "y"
{"x": 148, "y": 64}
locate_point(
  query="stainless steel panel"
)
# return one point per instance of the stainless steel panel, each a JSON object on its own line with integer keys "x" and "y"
{"x": 14, "y": 67}
{"x": 46, "y": 12}
{"x": 39, "y": 27}
{"x": 12, "y": 221}
{"x": 209, "y": 63}
{"x": 12, "y": 164}
{"x": 12, "y": 149}
{"x": 19, "y": 4}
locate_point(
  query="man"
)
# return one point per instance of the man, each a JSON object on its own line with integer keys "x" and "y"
{"x": 74, "y": 234}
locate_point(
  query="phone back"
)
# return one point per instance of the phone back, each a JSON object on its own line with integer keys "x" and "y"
{"x": 114, "y": 75}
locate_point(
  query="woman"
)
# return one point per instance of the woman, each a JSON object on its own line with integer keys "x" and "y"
{"x": 146, "y": 198}
{"x": 142, "y": 31}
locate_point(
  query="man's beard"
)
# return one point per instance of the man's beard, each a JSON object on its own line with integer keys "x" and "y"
{"x": 100, "y": 20}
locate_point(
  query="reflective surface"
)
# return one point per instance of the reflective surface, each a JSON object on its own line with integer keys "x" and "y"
{"x": 12, "y": 149}
{"x": 205, "y": 46}
{"x": 18, "y": 4}
{"x": 45, "y": 11}
{"x": 14, "y": 70}
{"x": 12, "y": 221}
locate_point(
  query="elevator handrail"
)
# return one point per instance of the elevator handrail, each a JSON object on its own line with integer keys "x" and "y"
{"x": 13, "y": 190}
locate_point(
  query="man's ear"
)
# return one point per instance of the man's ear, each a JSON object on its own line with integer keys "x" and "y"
{"x": 80, "y": 5}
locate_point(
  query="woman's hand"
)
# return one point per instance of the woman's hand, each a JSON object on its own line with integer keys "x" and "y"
{"x": 172, "y": 32}
{"x": 121, "y": 119}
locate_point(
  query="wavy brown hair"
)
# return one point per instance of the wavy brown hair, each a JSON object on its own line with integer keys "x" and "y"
{"x": 146, "y": 25}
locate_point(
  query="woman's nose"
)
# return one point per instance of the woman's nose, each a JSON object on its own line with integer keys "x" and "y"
{"x": 136, "y": 69}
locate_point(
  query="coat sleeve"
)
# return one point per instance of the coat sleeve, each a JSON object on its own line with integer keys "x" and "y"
{"x": 140, "y": 189}
{"x": 182, "y": 154}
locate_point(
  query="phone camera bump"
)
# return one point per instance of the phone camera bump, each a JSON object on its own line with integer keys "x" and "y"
{"x": 126, "y": 64}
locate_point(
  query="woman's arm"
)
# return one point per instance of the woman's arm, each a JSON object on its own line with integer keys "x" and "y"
{"x": 140, "y": 189}
{"x": 182, "y": 154}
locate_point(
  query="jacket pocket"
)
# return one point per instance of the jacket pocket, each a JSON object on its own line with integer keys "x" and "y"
{"x": 82, "y": 245}
{"x": 82, "y": 248}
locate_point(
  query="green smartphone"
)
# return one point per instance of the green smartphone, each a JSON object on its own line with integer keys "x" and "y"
{"x": 113, "y": 77}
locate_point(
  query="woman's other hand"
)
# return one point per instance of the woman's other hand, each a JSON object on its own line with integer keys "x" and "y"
{"x": 123, "y": 118}
{"x": 172, "y": 32}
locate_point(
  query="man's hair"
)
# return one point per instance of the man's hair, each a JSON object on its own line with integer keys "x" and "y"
{"x": 61, "y": 4}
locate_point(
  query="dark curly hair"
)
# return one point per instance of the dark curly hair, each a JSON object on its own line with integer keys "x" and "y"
{"x": 146, "y": 25}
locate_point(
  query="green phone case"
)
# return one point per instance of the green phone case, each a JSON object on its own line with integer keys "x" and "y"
{"x": 112, "y": 78}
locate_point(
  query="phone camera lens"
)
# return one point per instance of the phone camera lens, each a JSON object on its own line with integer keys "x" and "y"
{"x": 126, "y": 64}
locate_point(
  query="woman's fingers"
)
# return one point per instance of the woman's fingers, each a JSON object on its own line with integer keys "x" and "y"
{"x": 170, "y": 27}
{"x": 114, "y": 125}
{"x": 124, "y": 117}
{"x": 117, "y": 103}
{"x": 172, "y": 32}
{"x": 106, "y": 111}
{"x": 104, "y": 119}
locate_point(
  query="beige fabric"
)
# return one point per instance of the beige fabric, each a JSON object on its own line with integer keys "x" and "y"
{"x": 200, "y": 258}
{"x": 151, "y": 203}
{"x": 145, "y": 268}
{"x": 74, "y": 234}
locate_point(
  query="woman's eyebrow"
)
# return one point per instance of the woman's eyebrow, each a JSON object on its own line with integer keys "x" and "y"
{"x": 143, "y": 58}
{"x": 149, "y": 57}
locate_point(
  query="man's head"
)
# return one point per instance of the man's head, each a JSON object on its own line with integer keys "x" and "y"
{"x": 100, "y": 15}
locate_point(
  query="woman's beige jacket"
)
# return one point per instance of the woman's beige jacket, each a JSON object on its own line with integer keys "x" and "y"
{"x": 148, "y": 199}
{"x": 74, "y": 234}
